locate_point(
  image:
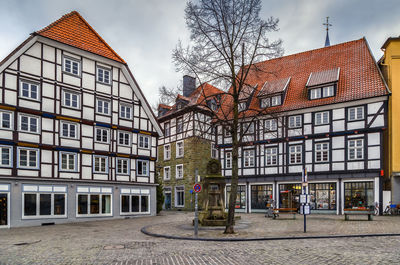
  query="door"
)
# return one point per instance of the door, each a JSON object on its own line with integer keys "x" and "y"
{"x": 167, "y": 203}
{"x": 3, "y": 209}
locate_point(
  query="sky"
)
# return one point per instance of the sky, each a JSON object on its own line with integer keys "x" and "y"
{"x": 144, "y": 32}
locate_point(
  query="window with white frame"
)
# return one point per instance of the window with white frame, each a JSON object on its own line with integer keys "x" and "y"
{"x": 28, "y": 158}
{"x": 242, "y": 106}
{"x": 321, "y": 118}
{"x": 328, "y": 91}
{"x": 315, "y": 93}
{"x": 28, "y": 123}
{"x": 265, "y": 103}
{"x": 179, "y": 149}
{"x": 125, "y": 111}
{"x": 100, "y": 164}
{"x": 70, "y": 99}
{"x": 167, "y": 129}
{"x": 29, "y": 90}
{"x": 356, "y": 113}
{"x": 103, "y": 75}
{"x": 6, "y": 120}
{"x": 68, "y": 161}
{"x": 295, "y": 154}
{"x": 270, "y": 125}
{"x": 179, "y": 196}
{"x": 295, "y": 121}
{"x": 122, "y": 166}
{"x": 69, "y": 129}
{"x": 248, "y": 156}
{"x": 167, "y": 173}
{"x": 214, "y": 151}
{"x": 5, "y": 156}
{"x": 271, "y": 155}
{"x": 276, "y": 100}
{"x": 356, "y": 149}
{"x": 135, "y": 201}
{"x": 44, "y": 201}
{"x": 72, "y": 66}
{"x": 227, "y": 131}
{"x": 142, "y": 168}
{"x": 167, "y": 152}
{"x": 179, "y": 125}
{"x": 102, "y": 135}
{"x": 144, "y": 141}
{"x": 228, "y": 159}
{"x": 93, "y": 201}
{"x": 124, "y": 138}
{"x": 103, "y": 106}
{"x": 321, "y": 152}
{"x": 179, "y": 172}
{"x": 248, "y": 127}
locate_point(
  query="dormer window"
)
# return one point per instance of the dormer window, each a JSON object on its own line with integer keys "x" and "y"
{"x": 276, "y": 100}
{"x": 265, "y": 103}
{"x": 212, "y": 104}
{"x": 328, "y": 91}
{"x": 242, "y": 106}
{"x": 322, "y": 84}
{"x": 315, "y": 93}
{"x": 273, "y": 92}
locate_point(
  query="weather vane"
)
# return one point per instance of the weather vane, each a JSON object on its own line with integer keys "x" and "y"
{"x": 327, "y": 42}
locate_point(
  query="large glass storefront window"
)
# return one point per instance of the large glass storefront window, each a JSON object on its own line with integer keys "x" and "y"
{"x": 138, "y": 204}
{"x": 240, "y": 197}
{"x": 323, "y": 196}
{"x": 90, "y": 204}
{"x": 358, "y": 194}
{"x": 259, "y": 196}
{"x": 43, "y": 204}
{"x": 289, "y": 195}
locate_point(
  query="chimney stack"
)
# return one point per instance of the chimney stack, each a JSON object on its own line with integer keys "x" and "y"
{"x": 189, "y": 85}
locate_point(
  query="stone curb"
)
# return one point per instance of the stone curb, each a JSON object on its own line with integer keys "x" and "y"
{"x": 144, "y": 231}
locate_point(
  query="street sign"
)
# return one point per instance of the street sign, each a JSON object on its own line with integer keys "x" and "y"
{"x": 305, "y": 209}
{"x": 305, "y": 198}
{"x": 197, "y": 187}
{"x": 191, "y": 191}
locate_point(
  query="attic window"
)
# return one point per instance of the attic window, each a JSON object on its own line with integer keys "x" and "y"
{"x": 242, "y": 106}
{"x": 276, "y": 100}
{"x": 322, "y": 92}
{"x": 322, "y": 84}
{"x": 272, "y": 93}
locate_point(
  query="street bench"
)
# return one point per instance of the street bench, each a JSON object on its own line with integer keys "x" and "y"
{"x": 348, "y": 212}
{"x": 278, "y": 211}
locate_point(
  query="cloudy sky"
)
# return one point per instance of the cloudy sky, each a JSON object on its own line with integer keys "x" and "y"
{"x": 144, "y": 32}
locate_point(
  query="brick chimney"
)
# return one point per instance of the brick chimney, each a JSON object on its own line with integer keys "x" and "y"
{"x": 189, "y": 85}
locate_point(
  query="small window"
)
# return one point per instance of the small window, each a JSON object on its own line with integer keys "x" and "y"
{"x": 144, "y": 141}
{"x": 265, "y": 103}
{"x": 214, "y": 151}
{"x": 142, "y": 168}
{"x": 242, "y": 106}
{"x": 321, "y": 152}
{"x": 248, "y": 158}
{"x": 69, "y": 130}
{"x": 328, "y": 91}
{"x": 321, "y": 118}
{"x": 122, "y": 166}
{"x": 271, "y": 155}
{"x": 70, "y": 99}
{"x": 270, "y": 125}
{"x": 179, "y": 125}
{"x": 276, "y": 100}
{"x": 295, "y": 121}
{"x": 72, "y": 66}
{"x": 167, "y": 173}
{"x": 125, "y": 111}
{"x": 68, "y": 161}
{"x": 29, "y": 90}
{"x": 28, "y": 158}
{"x": 167, "y": 129}
{"x": 295, "y": 154}
{"x": 356, "y": 113}
{"x": 103, "y": 75}
{"x": 103, "y": 106}
{"x": 227, "y": 131}
{"x": 248, "y": 127}
{"x": 228, "y": 159}
{"x": 179, "y": 196}
{"x": 6, "y": 120}
{"x": 100, "y": 164}
{"x": 356, "y": 149}
{"x": 167, "y": 152}
{"x": 124, "y": 138}
{"x": 28, "y": 123}
{"x": 179, "y": 149}
{"x": 5, "y": 156}
{"x": 102, "y": 135}
{"x": 179, "y": 172}
{"x": 315, "y": 93}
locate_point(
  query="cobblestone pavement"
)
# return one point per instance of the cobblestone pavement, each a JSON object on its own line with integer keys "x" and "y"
{"x": 121, "y": 242}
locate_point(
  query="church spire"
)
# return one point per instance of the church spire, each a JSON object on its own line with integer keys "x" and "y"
{"x": 327, "y": 42}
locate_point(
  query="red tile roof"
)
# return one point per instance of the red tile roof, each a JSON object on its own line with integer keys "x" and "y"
{"x": 72, "y": 29}
{"x": 359, "y": 76}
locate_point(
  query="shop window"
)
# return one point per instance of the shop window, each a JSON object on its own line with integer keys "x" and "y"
{"x": 289, "y": 195}
{"x": 260, "y": 195}
{"x": 358, "y": 195}
{"x": 134, "y": 203}
{"x": 240, "y": 202}
{"x": 323, "y": 196}
{"x": 94, "y": 204}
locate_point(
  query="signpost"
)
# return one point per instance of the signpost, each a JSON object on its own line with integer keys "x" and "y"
{"x": 197, "y": 189}
{"x": 305, "y": 199}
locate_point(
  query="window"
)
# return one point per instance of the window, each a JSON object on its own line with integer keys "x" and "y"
{"x": 5, "y": 156}
{"x": 260, "y": 194}
{"x": 323, "y": 196}
{"x": 356, "y": 113}
{"x": 124, "y": 138}
{"x": 240, "y": 199}
{"x": 212, "y": 104}
{"x": 359, "y": 194}
{"x": 295, "y": 121}
{"x": 328, "y": 91}
{"x": 28, "y": 123}
{"x": 322, "y": 152}
{"x": 228, "y": 131}
{"x": 214, "y": 151}
{"x": 125, "y": 111}
{"x": 276, "y": 100}
{"x": 265, "y": 103}
{"x": 142, "y": 168}
{"x": 179, "y": 196}
{"x": 72, "y": 66}
{"x": 179, "y": 172}
{"x": 68, "y": 161}
{"x": 321, "y": 118}
{"x": 179, "y": 149}
{"x": 103, "y": 106}
{"x": 103, "y": 75}
{"x": 135, "y": 203}
{"x": 167, "y": 173}
{"x": 315, "y": 93}
{"x": 248, "y": 127}
{"x": 271, "y": 155}
{"x": 122, "y": 166}
{"x": 144, "y": 141}
{"x": 100, "y": 164}
{"x": 94, "y": 201}
{"x": 6, "y": 120}
{"x": 295, "y": 154}
{"x": 102, "y": 135}
{"x": 70, "y": 99}
{"x": 356, "y": 149}
{"x": 29, "y": 90}
{"x": 242, "y": 106}
{"x": 248, "y": 158}
{"x": 28, "y": 158}
{"x": 167, "y": 152}
{"x": 69, "y": 130}
{"x": 49, "y": 201}
{"x": 228, "y": 159}
{"x": 270, "y": 125}
{"x": 167, "y": 129}
{"x": 179, "y": 125}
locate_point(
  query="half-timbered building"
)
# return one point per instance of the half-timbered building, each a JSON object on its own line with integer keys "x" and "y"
{"x": 78, "y": 140}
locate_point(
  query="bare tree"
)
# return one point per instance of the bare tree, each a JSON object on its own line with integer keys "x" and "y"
{"x": 166, "y": 96}
{"x": 228, "y": 38}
